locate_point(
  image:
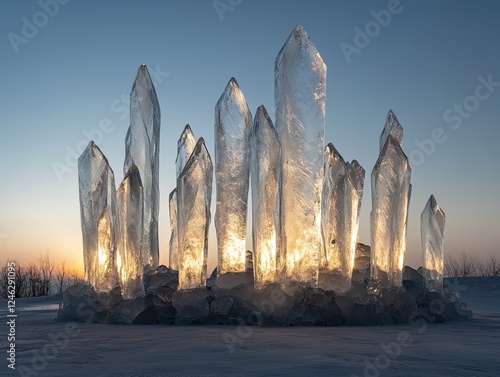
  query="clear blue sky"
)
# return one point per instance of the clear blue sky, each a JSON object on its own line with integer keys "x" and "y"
{"x": 70, "y": 74}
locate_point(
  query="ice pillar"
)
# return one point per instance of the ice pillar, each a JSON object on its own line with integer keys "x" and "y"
{"x": 300, "y": 90}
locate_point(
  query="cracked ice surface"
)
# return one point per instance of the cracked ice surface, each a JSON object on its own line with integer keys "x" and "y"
{"x": 233, "y": 124}
{"x": 300, "y": 89}
{"x": 129, "y": 256}
{"x": 265, "y": 167}
{"x": 142, "y": 149}
{"x": 194, "y": 194}
{"x": 391, "y": 191}
{"x": 98, "y": 218}
{"x": 341, "y": 201}
{"x": 432, "y": 222}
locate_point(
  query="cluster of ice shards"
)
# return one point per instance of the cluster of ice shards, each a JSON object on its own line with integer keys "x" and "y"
{"x": 300, "y": 90}
{"x": 142, "y": 147}
{"x": 233, "y": 124}
{"x": 120, "y": 228}
{"x": 391, "y": 190}
{"x": 341, "y": 203}
{"x": 432, "y": 221}
{"x": 306, "y": 200}
{"x": 98, "y": 218}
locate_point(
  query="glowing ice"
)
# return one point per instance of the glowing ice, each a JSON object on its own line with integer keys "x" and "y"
{"x": 129, "y": 256}
{"x": 142, "y": 145}
{"x": 233, "y": 124}
{"x": 432, "y": 221}
{"x": 341, "y": 201}
{"x": 265, "y": 178}
{"x": 194, "y": 194}
{"x": 300, "y": 84}
{"x": 391, "y": 191}
{"x": 98, "y": 218}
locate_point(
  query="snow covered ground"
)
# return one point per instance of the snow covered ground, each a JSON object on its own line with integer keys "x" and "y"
{"x": 48, "y": 348}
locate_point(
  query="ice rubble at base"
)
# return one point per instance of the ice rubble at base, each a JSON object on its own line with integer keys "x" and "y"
{"x": 233, "y": 300}
{"x": 306, "y": 268}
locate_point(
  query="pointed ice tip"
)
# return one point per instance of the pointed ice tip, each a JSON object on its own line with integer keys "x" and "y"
{"x": 262, "y": 110}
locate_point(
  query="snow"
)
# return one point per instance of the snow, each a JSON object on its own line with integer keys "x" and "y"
{"x": 456, "y": 349}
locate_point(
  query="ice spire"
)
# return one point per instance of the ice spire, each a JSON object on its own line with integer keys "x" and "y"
{"x": 194, "y": 194}
{"x": 300, "y": 90}
{"x": 392, "y": 128}
{"x": 98, "y": 218}
{"x": 265, "y": 167}
{"x": 432, "y": 221}
{"x": 142, "y": 145}
{"x": 233, "y": 124}
{"x": 391, "y": 192}
{"x": 129, "y": 256}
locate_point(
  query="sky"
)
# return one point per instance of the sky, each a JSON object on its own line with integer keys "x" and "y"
{"x": 68, "y": 67}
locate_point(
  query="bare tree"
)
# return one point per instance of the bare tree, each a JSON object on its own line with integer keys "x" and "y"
{"x": 451, "y": 266}
{"x": 61, "y": 275}
{"x": 46, "y": 272}
{"x": 493, "y": 266}
{"x": 468, "y": 264}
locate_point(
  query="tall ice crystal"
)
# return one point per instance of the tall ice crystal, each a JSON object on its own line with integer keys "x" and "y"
{"x": 194, "y": 194}
{"x": 432, "y": 221}
{"x": 129, "y": 257}
{"x": 264, "y": 168}
{"x": 233, "y": 124}
{"x": 96, "y": 183}
{"x": 341, "y": 201}
{"x": 185, "y": 146}
{"x": 299, "y": 92}
{"x": 142, "y": 145}
{"x": 391, "y": 192}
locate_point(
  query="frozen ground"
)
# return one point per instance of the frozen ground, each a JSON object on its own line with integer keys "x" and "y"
{"x": 448, "y": 349}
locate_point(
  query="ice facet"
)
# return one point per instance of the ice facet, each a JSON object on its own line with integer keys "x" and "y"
{"x": 194, "y": 194}
{"x": 233, "y": 124}
{"x": 341, "y": 200}
{"x": 300, "y": 89}
{"x": 432, "y": 221}
{"x": 265, "y": 167}
{"x": 174, "y": 242}
{"x": 142, "y": 145}
{"x": 391, "y": 191}
{"x": 392, "y": 128}
{"x": 98, "y": 218}
{"x": 129, "y": 256}
{"x": 185, "y": 146}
